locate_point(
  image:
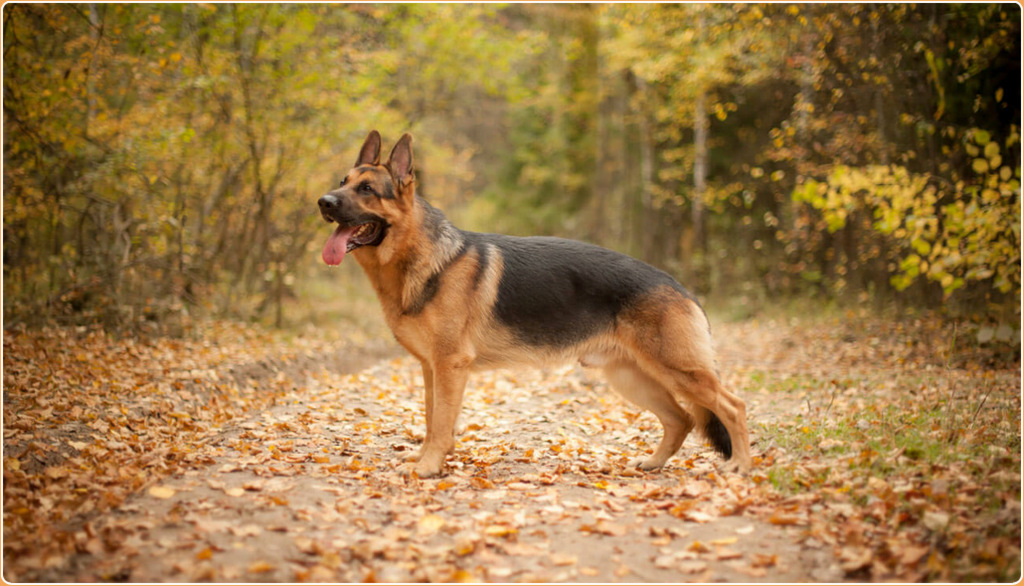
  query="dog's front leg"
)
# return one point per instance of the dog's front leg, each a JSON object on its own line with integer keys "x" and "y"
{"x": 444, "y": 399}
{"x": 428, "y": 401}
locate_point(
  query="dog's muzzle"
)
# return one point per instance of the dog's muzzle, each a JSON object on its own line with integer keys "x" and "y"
{"x": 355, "y": 228}
{"x": 330, "y": 205}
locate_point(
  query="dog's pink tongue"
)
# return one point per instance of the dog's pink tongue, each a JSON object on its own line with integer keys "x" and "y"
{"x": 337, "y": 245}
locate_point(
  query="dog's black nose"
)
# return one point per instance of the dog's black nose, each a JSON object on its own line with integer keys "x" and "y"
{"x": 327, "y": 202}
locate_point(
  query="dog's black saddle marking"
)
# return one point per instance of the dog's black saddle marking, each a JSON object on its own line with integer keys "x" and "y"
{"x": 556, "y": 292}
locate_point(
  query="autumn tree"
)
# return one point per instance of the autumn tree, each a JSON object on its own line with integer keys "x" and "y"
{"x": 162, "y": 160}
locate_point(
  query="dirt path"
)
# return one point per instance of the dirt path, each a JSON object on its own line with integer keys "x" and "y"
{"x": 538, "y": 491}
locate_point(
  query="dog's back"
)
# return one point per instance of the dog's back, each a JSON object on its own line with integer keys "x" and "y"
{"x": 558, "y": 292}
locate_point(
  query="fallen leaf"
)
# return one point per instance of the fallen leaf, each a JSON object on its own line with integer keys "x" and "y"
{"x": 935, "y": 520}
{"x": 430, "y": 524}
{"x": 779, "y": 518}
{"x": 604, "y": 528}
{"x": 465, "y": 543}
{"x": 910, "y": 555}
{"x": 692, "y": 566}
{"x": 479, "y": 482}
{"x": 698, "y": 547}
{"x": 727, "y": 554}
{"x": 56, "y": 472}
{"x": 260, "y": 568}
{"x": 724, "y": 541}
{"x": 762, "y": 560}
{"x": 853, "y": 559}
{"x": 161, "y": 492}
{"x": 500, "y": 531}
{"x": 696, "y": 516}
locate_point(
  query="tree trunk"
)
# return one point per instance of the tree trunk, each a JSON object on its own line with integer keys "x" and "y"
{"x": 700, "y": 170}
{"x": 649, "y": 217}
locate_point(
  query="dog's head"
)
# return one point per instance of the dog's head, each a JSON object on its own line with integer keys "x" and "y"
{"x": 372, "y": 201}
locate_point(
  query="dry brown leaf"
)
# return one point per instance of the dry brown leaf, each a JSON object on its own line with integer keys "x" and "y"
{"x": 912, "y": 554}
{"x": 559, "y": 559}
{"x": 762, "y": 560}
{"x": 855, "y": 558}
{"x": 726, "y": 553}
{"x": 780, "y": 518}
{"x": 604, "y": 528}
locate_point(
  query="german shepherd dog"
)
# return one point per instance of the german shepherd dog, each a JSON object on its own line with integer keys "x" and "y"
{"x": 460, "y": 301}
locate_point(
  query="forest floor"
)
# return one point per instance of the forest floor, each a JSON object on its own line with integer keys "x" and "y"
{"x": 884, "y": 450}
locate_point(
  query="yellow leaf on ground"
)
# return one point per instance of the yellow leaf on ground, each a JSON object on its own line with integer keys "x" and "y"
{"x": 161, "y": 492}
{"x": 430, "y": 524}
{"x": 725, "y": 541}
{"x": 500, "y": 531}
{"x": 261, "y": 568}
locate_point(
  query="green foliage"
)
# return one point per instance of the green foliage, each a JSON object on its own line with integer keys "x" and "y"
{"x": 164, "y": 159}
{"x": 950, "y": 234}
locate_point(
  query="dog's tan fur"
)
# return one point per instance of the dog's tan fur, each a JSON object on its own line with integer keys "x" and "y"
{"x": 658, "y": 354}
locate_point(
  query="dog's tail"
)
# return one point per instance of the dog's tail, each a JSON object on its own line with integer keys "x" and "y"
{"x": 716, "y": 433}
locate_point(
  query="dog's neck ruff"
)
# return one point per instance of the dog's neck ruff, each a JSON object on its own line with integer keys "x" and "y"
{"x": 445, "y": 239}
{"x": 442, "y": 244}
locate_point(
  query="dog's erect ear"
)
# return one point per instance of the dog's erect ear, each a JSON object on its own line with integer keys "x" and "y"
{"x": 400, "y": 161}
{"x": 370, "y": 153}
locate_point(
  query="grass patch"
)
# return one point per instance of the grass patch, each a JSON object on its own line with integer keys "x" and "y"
{"x": 906, "y": 451}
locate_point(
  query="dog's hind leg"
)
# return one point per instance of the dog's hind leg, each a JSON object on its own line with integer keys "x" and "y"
{"x": 673, "y": 346}
{"x": 628, "y": 380}
{"x": 723, "y": 415}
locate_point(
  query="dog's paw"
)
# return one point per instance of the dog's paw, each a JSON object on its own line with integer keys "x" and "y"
{"x": 735, "y": 466}
{"x": 420, "y": 469}
{"x": 645, "y": 464}
{"x": 413, "y": 456}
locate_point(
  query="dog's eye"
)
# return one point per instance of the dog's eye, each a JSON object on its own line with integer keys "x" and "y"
{"x": 343, "y": 182}
{"x": 365, "y": 188}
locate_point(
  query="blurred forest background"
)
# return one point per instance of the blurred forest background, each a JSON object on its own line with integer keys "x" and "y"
{"x": 162, "y": 162}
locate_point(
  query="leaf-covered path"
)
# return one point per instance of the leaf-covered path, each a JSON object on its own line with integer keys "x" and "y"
{"x": 284, "y": 469}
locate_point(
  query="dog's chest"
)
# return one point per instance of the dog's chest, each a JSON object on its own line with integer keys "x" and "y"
{"x": 412, "y": 333}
